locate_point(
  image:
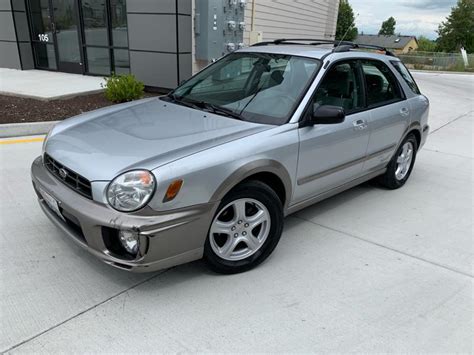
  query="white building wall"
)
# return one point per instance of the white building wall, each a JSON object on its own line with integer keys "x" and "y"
{"x": 286, "y": 19}
{"x": 295, "y": 18}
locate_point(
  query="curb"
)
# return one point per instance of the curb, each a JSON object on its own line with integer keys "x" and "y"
{"x": 51, "y": 98}
{"x": 25, "y": 129}
{"x": 441, "y": 72}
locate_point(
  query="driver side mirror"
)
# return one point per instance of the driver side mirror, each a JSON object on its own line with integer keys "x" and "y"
{"x": 327, "y": 114}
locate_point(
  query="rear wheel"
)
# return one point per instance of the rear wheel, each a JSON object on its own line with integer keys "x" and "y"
{"x": 401, "y": 165}
{"x": 246, "y": 228}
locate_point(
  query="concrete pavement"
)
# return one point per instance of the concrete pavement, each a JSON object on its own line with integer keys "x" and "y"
{"x": 369, "y": 270}
{"x": 47, "y": 85}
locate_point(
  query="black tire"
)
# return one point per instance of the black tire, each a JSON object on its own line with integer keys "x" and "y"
{"x": 265, "y": 195}
{"x": 389, "y": 179}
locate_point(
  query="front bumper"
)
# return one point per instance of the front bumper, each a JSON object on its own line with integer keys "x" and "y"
{"x": 166, "y": 238}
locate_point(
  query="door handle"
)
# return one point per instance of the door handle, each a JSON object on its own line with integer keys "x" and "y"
{"x": 359, "y": 124}
{"x": 404, "y": 112}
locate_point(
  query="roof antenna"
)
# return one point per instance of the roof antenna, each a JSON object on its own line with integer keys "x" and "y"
{"x": 345, "y": 34}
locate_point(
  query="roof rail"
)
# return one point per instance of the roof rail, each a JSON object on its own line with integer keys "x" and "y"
{"x": 339, "y": 46}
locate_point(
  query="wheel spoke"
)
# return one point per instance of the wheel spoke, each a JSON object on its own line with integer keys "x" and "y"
{"x": 257, "y": 219}
{"x": 229, "y": 247}
{"x": 252, "y": 242}
{"x": 405, "y": 150}
{"x": 400, "y": 159}
{"x": 239, "y": 209}
{"x": 219, "y": 227}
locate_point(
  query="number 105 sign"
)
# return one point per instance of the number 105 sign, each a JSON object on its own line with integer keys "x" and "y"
{"x": 43, "y": 37}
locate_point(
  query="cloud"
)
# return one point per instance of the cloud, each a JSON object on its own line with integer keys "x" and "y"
{"x": 414, "y": 17}
{"x": 429, "y": 4}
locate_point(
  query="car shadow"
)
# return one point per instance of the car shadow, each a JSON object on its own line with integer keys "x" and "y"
{"x": 336, "y": 201}
{"x": 184, "y": 273}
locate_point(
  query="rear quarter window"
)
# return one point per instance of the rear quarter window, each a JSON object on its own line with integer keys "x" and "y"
{"x": 402, "y": 69}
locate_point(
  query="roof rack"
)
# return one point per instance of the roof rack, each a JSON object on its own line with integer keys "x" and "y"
{"x": 339, "y": 46}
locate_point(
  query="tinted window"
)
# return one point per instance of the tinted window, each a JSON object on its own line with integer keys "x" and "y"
{"x": 382, "y": 86}
{"x": 95, "y": 22}
{"x": 406, "y": 76}
{"x": 119, "y": 23}
{"x": 341, "y": 87}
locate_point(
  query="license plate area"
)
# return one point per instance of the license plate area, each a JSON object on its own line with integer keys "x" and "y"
{"x": 51, "y": 202}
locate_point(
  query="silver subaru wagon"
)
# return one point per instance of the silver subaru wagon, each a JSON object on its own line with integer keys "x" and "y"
{"x": 212, "y": 169}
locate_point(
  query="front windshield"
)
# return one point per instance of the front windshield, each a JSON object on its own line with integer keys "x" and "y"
{"x": 255, "y": 87}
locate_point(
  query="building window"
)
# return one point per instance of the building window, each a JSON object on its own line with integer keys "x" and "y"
{"x": 95, "y": 22}
{"x": 118, "y": 14}
{"x": 98, "y": 60}
{"x": 80, "y": 36}
{"x": 105, "y": 36}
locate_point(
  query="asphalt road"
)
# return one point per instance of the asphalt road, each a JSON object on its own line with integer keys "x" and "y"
{"x": 369, "y": 270}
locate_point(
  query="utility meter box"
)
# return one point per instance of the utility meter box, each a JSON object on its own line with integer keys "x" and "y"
{"x": 219, "y": 28}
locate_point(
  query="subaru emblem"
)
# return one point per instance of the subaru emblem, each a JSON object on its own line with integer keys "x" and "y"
{"x": 63, "y": 173}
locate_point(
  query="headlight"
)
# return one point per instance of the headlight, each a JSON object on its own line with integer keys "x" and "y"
{"x": 131, "y": 190}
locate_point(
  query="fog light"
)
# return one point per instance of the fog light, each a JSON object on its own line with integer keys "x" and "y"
{"x": 130, "y": 241}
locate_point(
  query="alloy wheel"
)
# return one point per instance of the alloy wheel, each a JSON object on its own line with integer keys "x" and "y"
{"x": 404, "y": 161}
{"x": 239, "y": 229}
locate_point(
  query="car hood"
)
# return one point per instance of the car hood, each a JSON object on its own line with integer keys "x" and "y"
{"x": 143, "y": 134}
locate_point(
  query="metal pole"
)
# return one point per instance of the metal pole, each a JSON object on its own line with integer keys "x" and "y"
{"x": 252, "y": 27}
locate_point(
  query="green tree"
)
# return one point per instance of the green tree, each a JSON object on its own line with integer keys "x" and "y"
{"x": 388, "y": 27}
{"x": 426, "y": 45}
{"x": 345, "y": 22}
{"x": 458, "y": 29}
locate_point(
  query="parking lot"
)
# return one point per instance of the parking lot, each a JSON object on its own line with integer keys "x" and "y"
{"x": 369, "y": 270}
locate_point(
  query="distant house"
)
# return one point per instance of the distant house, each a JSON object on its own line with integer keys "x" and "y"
{"x": 397, "y": 44}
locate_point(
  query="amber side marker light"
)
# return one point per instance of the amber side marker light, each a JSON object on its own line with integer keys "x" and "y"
{"x": 173, "y": 190}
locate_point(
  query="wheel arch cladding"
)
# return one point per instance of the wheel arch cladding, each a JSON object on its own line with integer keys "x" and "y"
{"x": 417, "y": 134}
{"x": 273, "y": 181}
{"x": 270, "y": 172}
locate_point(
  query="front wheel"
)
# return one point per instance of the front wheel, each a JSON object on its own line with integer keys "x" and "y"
{"x": 245, "y": 230}
{"x": 401, "y": 165}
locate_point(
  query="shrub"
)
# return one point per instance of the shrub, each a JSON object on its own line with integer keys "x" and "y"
{"x": 123, "y": 88}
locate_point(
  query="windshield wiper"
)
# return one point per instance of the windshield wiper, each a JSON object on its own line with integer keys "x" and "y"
{"x": 218, "y": 110}
{"x": 202, "y": 105}
{"x": 179, "y": 100}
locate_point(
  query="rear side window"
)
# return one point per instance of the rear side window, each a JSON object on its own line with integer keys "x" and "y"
{"x": 402, "y": 69}
{"x": 382, "y": 85}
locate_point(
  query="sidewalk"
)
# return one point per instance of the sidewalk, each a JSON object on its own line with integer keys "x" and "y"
{"x": 46, "y": 85}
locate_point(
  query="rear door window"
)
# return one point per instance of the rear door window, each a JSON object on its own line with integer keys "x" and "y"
{"x": 382, "y": 85}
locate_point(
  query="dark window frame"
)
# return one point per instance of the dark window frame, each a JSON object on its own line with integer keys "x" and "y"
{"x": 399, "y": 64}
{"x": 359, "y": 76}
{"x": 327, "y": 67}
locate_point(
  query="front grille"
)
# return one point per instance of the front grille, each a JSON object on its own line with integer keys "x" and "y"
{"x": 72, "y": 179}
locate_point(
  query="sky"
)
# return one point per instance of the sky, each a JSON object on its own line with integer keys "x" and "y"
{"x": 414, "y": 17}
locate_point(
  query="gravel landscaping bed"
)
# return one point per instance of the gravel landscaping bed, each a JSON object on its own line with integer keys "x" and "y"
{"x": 18, "y": 109}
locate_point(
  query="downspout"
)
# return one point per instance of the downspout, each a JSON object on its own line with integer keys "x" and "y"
{"x": 254, "y": 6}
